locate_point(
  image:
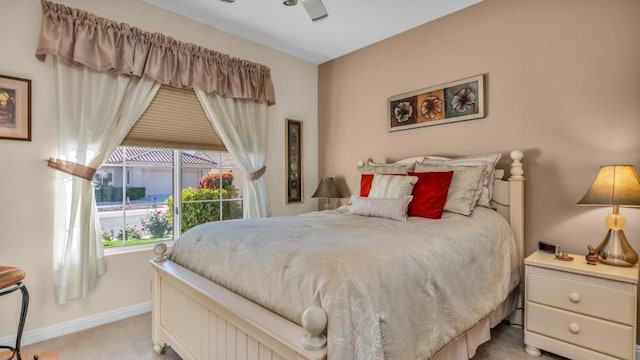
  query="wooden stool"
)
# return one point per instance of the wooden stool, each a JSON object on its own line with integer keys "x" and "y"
{"x": 10, "y": 281}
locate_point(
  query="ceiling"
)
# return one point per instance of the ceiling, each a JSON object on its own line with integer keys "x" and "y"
{"x": 351, "y": 24}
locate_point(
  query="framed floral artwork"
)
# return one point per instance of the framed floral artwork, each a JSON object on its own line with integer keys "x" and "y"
{"x": 15, "y": 108}
{"x": 293, "y": 160}
{"x": 442, "y": 104}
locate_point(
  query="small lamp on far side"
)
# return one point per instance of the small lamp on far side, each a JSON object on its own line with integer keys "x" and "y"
{"x": 327, "y": 189}
{"x": 615, "y": 185}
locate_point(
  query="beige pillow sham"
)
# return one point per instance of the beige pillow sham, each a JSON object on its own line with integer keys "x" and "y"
{"x": 465, "y": 186}
{"x": 489, "y": 162}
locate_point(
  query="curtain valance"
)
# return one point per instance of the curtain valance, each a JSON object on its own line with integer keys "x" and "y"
{"x": 77, "y": 36}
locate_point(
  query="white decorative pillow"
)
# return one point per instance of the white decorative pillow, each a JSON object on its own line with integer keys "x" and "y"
{"x": 392, "y": 186}
{"x": 436, "y": 158}
{"x": 489, "y": 162}
{"x": 465, "y": 186}
{"x": 410, "y": 161}
{"x": 416, "y": 159}
{"x": 384, "y": 168}
{"x": 395, "y": 209}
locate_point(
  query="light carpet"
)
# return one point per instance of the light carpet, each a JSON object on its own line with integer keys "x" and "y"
{"x": 130, "y": 339}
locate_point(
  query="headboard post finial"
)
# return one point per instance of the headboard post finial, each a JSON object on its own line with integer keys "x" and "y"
{"x": 516, "y": 166}
{"x": 360, "y": 163}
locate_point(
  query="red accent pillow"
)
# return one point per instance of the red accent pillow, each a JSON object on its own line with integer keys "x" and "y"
{"x": 366, "y": 180}
{"x": 430, "y": 194}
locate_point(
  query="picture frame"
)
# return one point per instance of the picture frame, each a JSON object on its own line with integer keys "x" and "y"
{"x": 454, "y": 101}
{"x": 294, "y": 161}
{"x": 15, "y": 108}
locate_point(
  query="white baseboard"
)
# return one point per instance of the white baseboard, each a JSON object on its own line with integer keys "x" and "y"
{"x": 68, "y": 327}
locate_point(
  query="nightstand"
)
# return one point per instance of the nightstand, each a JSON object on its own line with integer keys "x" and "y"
{"x": 579, "y": 311}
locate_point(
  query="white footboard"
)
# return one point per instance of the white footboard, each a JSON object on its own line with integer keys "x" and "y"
{"x": 201, "y": 320}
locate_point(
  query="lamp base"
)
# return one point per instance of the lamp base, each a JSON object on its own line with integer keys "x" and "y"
{"x": 615, "y": 250}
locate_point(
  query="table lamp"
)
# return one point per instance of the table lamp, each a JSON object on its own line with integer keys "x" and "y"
{"x": 327, "y": 189}
{"x": 615, "y": 185}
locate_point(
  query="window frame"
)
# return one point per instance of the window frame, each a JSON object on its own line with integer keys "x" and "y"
{"x": 177, "y": 203}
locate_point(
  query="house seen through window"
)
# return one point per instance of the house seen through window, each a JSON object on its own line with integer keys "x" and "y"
{"x": 152, "y": 194}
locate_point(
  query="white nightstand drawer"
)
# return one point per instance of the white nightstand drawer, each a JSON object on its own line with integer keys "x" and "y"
{"x": 602, "y": 298}
{"x": 599, "y": 335}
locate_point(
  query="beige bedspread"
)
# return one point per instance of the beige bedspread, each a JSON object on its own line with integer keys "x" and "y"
{"x": 393, "y": 290}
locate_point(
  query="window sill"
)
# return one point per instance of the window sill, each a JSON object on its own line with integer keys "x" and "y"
{"x": 136, "y": 248}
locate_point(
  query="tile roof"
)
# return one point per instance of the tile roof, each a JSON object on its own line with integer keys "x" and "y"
{"x": 154, "y": 156}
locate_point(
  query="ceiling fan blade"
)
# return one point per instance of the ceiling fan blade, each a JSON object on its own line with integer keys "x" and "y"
{"x": 315, "y": 9}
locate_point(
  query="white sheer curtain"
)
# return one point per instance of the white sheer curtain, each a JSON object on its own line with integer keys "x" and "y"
{"x": 95, "y": 112}
{"x": 242, "y": 127}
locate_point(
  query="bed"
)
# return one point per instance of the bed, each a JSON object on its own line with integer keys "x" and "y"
{"x": 348, "y": 281}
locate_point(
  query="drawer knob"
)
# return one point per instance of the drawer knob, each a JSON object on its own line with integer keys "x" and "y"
{"x": 574, "y": 328}
{"x": 574, "y": 297}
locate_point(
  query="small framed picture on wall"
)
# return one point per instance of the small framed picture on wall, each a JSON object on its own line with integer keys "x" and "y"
{"x": 294, "y": 161}
{"x": 15, "y": 108}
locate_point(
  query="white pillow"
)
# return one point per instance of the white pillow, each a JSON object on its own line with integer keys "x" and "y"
{"x": 392, "y": 186}
{"x": 410, "y": 161}
{"x": 384, "y": 168}
{"x": 488, "y": 160}
{"x": 436, "y": 158}
{"x": 395, "y": 209}
{"x": 465, "y": 186}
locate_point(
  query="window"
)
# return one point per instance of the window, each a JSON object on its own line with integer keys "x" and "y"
{"x": 157, "y": 192}
{"x": 154, "y": 193}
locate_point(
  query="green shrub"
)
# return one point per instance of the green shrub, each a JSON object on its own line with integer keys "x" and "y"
{"x": 108, "y": 236}
{"x": 199, "y": 212}
{"x": 157, "y": 224}
{"x": 200, "y": 206}
{"x": 131, "y": 232}
{"x": 232, "y": 209}
{"x": 136, "y": 193}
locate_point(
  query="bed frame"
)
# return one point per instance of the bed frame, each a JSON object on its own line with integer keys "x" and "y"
{"x": 202, "y": 320}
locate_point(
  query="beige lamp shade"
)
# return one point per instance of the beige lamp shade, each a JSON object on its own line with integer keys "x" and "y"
{"x": 327, "y": 189}
{"x": 614, "y": 185}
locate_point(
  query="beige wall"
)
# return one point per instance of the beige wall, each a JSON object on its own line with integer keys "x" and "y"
{"x": 563, "y": 85}
{"x": 26, "y": 183}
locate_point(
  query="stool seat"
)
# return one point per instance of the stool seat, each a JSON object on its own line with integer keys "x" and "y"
{"x": 10, "y": 275}
{"x": 10, "y": 281}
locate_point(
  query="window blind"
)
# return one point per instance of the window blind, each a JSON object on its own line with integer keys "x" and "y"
{"x": 174, "y": 119}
